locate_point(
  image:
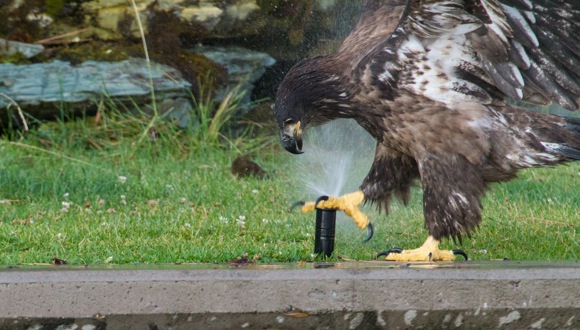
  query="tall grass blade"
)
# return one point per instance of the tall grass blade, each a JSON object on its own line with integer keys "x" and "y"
{"x": 145, "y": 49}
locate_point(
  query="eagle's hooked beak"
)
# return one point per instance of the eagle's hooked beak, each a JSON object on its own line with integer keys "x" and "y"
{"x": 291, "y": 136}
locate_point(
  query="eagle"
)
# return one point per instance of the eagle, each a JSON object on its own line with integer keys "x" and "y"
{"x": 438, "y": 84}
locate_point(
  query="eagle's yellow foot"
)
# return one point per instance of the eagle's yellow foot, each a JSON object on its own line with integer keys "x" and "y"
{"x": 429, "y": 251}
{"x": 349, "y": 203}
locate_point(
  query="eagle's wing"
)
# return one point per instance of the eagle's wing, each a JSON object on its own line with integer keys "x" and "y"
{"x": 531, "y": 49}
{"x": 434, "y": 67}
{"x": 378, "y": 21}
{"x": 473, "y": 50}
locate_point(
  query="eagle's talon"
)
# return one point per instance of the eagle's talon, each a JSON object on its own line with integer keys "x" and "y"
{"x": 370, "y": 231}
{"x": 297, "y": 204}
{"x": 305, "y": 207}
{"x": 429, "y": 251}
{"x": 348, "y": 203}
{"x": 321, "y": 198}
{"x": 386, "y": 253}
{"x": 461, "y": 253}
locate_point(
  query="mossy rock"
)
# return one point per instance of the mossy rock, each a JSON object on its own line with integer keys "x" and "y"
{"x": 92, "y": 51}
{"x": 17, "y": 58}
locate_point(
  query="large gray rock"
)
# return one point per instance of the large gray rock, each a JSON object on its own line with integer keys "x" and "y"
{"x": 35, "y": 87}
{"x": 43, "y": 89}
{"x": 244, "y": 68}
{"x": 62, "y": 82}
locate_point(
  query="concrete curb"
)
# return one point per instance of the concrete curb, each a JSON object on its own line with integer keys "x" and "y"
{"x": 343, "y": 295}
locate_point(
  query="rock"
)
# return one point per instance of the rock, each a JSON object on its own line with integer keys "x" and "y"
{"x": 284, "y": 29}
{"x": 219, "y": 18}
{"x": 41, "y": 89}
{"x": 8, "y": 47}
{"x": 36, "y": 86}
{"x": 207, "y": 16}
{"x": 244, "y": 68}
{"x": 179, "y": 111}
{"x": 207, "y": 19}
{"x": 61, "y": 82}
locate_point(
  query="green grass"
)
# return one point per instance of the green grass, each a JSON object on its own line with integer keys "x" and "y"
{"x": 180, "y": 203}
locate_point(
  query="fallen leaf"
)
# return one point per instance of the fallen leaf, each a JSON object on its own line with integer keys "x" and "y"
{"x": 242, "y": 261}
{"x": 297, "y": 314}
{"x": 244, "y": 167}
{"x": 58, "y": 262}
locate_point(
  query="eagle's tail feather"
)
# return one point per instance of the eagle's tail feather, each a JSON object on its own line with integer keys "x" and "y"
{"x": 573, "y": 124}
{"x": 551, "y": 139}
{"x": 562, "y": 149}
{"x": 572, "y": 148}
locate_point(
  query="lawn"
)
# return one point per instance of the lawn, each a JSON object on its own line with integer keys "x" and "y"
{"x": 122, "y": 191}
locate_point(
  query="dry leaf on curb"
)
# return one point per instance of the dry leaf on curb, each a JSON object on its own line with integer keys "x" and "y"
{"x": 58, "y": 262}
{"x": 297, "y": 314}
{"x": 243, "y": 261}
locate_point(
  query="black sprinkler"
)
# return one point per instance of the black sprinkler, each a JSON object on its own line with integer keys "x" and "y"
{"x": 325, "y": 229}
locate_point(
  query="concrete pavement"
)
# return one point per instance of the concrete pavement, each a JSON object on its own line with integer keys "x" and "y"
{"x": 349, "y": 295}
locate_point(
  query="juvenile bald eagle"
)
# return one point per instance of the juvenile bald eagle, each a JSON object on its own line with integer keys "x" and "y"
{"x": 431, "y": 81}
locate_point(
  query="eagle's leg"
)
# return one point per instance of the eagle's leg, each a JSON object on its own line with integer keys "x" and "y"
{"x": 429, "y": 251}
{"x": 349, "y": 203}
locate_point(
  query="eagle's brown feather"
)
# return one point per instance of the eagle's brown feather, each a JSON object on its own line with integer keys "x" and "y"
{"x": 431, "y": 81}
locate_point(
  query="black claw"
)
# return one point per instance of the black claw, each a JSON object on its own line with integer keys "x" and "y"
{"x": 386, "y": 253}
{"x": 461, "y": 253}
{"x": 321, "y": 198}
{"x": 371, "y": 232}
{"x": 295, "y": 205}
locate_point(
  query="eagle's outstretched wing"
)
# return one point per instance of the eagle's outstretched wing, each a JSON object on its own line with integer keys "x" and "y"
{"x": 444, "y": 72}
{"x": 478, "y": 50}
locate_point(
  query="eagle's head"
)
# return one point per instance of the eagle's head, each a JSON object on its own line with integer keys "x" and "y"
{"x": 310, "y": 94}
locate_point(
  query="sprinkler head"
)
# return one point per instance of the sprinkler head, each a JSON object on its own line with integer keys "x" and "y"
{"x": 325, "y": 229}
